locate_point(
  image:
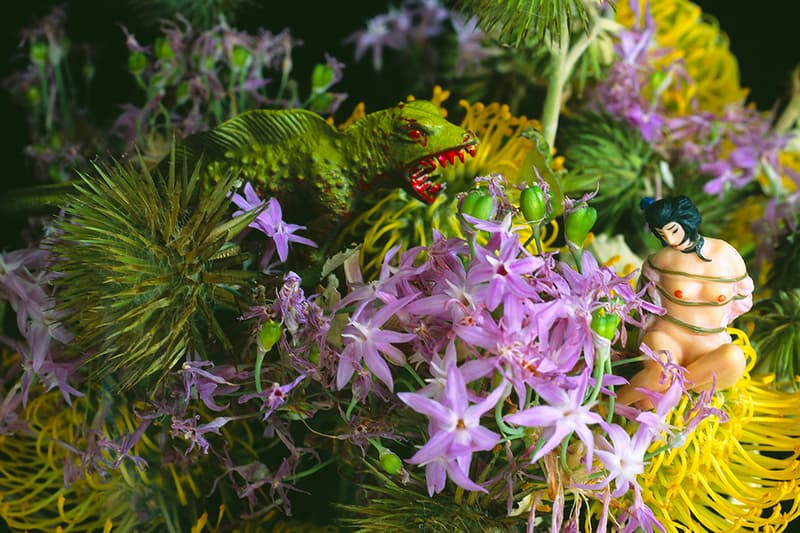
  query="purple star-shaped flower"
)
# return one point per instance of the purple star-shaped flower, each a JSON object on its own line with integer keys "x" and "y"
{"x": 562, "y": 416}
{"x": 455, "y": 430}
{"x": 364, "y": 339}
{"x": 270, "y": 221}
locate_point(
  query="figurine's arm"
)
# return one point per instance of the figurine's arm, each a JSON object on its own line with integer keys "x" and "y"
{"x": 743, "y": 298}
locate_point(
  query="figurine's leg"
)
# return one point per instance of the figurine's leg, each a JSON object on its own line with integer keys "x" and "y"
{"x": 650, "y": 377}
{"x": 727, "y": 364}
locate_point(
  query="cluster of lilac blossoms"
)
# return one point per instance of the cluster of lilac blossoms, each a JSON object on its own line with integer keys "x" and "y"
{"x": 731, "y": 147}
{"x": 414, "y": 26}
{"x": 501, "y": 345}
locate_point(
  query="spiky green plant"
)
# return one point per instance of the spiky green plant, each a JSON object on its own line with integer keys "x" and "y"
{"x": 146, "y": 264}
{"x": 405, "y": 506}
{"x": 529, "y": 22}
{"x": 606, "y": 153}
{"x": 783, "y": 270}
{"x": 776, "y": 336}
{"x": 601, "y": 151}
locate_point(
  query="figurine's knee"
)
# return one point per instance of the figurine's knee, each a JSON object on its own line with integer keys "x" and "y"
{"x": 731, "y": 362}
{"x": 721, "y": 368}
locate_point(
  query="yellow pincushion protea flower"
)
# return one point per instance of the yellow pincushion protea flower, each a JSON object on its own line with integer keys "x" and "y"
{"x": 399, "y": 219}
{"x": 697, "y": 39}
{"x": 33, "y": 493}
{"x": 731, "y": 476}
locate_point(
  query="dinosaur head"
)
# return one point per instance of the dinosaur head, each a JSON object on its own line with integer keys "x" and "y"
{"x": 422, "y": 140}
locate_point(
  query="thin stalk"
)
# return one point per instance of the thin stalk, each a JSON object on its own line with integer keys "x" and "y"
{"x": 61, "y": 90}
{"x": 555, "y": 89}
{"x": 312, "y": 470}
{"x": 411, "y": 371}
{"x": 45, "y": 98}
{"x": 791, "y": 114}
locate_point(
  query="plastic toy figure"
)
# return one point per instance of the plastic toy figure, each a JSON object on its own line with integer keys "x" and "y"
{"x": 703, "y": 285}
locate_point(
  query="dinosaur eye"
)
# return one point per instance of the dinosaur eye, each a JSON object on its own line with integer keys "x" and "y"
{"x": 414, "y": 133}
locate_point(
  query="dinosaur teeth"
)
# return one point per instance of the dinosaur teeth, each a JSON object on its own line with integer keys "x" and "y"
{"x": 461, "y": 155}
{"x": 451, "y": 156}
{"x": 471, "y": 150}
{"x": 418, "y": 179}
{"x": 442, "y": 160}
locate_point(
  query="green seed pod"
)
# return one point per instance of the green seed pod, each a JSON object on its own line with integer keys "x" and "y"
{"x": 321, "y": 77}
{"x": 532, "y": 203}
{"x": 241, "y": 57}
{"x": 605, "y": 324}
{"x": 483, "y": 207}
{"x": 38, "y": 53}
{"x": 579, "y": 223}
{"x": 468, "y": 203}
{"x": 34, "y": 96}
{"x": 137, "y": 62}
{"x": 269, "y": 334}
{"x": 163, "y": 49}
{"x": 390, "y": 463}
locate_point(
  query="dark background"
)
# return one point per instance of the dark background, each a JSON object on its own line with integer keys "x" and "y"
{"x": 763, "y": 40}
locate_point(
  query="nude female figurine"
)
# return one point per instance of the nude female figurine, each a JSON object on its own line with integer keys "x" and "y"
{"x": 703, "y": 285}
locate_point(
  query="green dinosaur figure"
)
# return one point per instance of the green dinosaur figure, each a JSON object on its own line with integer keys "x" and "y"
{"x": 317, "y": 171}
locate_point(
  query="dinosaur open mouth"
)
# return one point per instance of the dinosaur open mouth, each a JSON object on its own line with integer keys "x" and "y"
{"x": 421, "y": 173}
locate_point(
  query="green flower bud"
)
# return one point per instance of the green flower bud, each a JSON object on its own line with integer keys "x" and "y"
{"x": 579, "y": 223}
{"x": 532, "y": 203}
{"x": 269, "y": 334}
{"x": 604, "y": 323}
{"x": 478, "y": 205}
{"x": 137, "y": 62}
{"x": 321, "y": 77}
{"x": 468, "y": 203}
{"x": 390, "y": 462}
{"x": 182, "y": 91}
{"x": 38, "y": 53}
{"x": 321, "y": 102}
{"x": 33, "y": 95}
{"x": 163, "y": 49}
{"x": 241, "y": 57}
{"x": 88, "y": 71}
{"x": 313, "y": 354}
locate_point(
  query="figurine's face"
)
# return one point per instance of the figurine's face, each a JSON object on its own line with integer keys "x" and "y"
{"x": 674, "y": 235}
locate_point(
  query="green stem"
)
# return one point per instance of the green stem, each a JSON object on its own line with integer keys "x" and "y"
{"x": 507, "y": 430}
{"x": 555, "y": 89}
{"x": 791, "y": 114}
{"x": 48, "y": 115}
{"x": 259, "y": 362}
{"x": 411, "y": 371}
{"x": 310, "y": 471}
{"x": 564, "y": 446}
{"x": 563, "y": 61}
{"x": 61, "y": 90}
{"x": 350, "y": 408}
{"x": 536, "y": 235}
{"x": 628, "y": 360}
